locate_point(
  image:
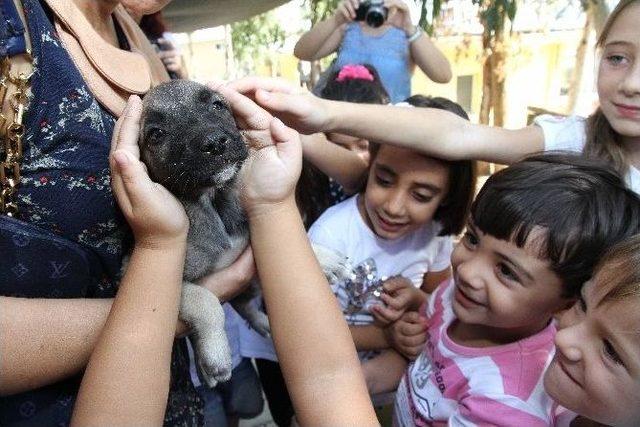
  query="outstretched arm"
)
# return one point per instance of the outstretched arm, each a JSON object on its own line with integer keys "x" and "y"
{"x": 339, "y": 163}
{"x": 131, "y": 361}
{"x": 325, "y": 37}
{"x": 435, "y": 132}
{"x": 332, "y": 391}
{"x": 69, "y": 328}
{"x": 318, "y": 358}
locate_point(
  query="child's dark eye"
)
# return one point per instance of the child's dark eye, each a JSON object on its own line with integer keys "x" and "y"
{"x": 470, "y": 239}
{"x": 611, "y": 352}
{"x": 422, "y": 198}
{"x": 507, "y": 272}
{"x": 383, "y": 182}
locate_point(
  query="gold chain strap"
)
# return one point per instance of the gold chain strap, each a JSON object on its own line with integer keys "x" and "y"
{"x": 12, "y": 154}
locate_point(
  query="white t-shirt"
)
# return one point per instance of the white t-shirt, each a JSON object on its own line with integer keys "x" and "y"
{"x": 569, "y": 134}
{"x": 342, "y": 228}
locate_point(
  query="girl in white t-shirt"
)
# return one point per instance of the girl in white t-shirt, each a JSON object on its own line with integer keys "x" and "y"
{"x": 404, "y": 220}
{"x": 611, "y": 133}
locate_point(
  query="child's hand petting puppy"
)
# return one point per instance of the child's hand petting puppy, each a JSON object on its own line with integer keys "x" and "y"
{"x": 156, "y": 217}
{"x": 408, "y": 335}
{"x": 271, "y": 172}
{"x": 399, "y": 296}
{"x": 302, "y": 111}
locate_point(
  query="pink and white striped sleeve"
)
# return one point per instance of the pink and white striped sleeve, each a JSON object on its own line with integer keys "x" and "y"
{"x": 498, "y": 411}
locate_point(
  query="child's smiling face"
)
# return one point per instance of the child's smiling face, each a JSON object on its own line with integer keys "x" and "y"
{"x": 619, "y": 73}
{"x": 503, "y": 292}
{"x": 596, "y": 369}
{"x": 404, "y": 190}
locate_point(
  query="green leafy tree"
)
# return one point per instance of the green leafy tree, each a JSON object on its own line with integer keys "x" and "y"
{"x": 495, "y": 17}
{"x": 319, "y": 10}
{"x": 255, "y": 39}
{"x": 429, "y": 14}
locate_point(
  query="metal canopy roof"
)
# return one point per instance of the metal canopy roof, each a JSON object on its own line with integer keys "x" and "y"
{"x": 191, "y": 15}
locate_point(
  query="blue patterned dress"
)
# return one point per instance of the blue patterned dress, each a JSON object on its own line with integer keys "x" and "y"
{"x": 65, "y": 189}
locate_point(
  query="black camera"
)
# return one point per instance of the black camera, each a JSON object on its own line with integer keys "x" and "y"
{"x": 372, "y": 12}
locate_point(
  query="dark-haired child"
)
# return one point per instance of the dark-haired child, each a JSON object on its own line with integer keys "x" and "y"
{"x": 536, "y": 231}
{"x": 404, "y": 220}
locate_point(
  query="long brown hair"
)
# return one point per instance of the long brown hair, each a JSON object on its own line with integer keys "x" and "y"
{"x": 603, "y": 142}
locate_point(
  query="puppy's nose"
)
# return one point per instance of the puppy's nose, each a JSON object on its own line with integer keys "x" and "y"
{"x": 214, "y": 145}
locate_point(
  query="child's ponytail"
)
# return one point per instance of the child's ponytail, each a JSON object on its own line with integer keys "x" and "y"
{"x": 358, "y": 83}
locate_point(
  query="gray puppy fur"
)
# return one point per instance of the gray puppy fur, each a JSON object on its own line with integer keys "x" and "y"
{"x": 191, "y": 144}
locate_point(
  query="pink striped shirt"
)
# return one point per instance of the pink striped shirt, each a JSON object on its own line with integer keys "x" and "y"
{"x": 449, "y": 384}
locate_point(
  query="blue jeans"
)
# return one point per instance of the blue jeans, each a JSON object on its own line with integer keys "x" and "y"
{"x": 240, "y": 397}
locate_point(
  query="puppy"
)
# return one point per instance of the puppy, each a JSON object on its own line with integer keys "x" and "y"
{"x": 190, "y": 143}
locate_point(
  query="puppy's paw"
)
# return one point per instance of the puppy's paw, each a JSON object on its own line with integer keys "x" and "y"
{"x": 214, "y": 358}
{"x": 336, "y": 266}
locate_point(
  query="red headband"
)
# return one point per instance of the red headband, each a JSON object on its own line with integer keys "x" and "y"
{"x": 354, "y": 72}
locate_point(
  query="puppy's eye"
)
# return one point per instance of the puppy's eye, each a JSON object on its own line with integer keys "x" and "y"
{"x": 155, "y": 135}
{"x": 218, "y": 105}
{"x": 204, "y": 95}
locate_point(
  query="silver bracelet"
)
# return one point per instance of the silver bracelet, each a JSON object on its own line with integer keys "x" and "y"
{"x": 413, "y": 37}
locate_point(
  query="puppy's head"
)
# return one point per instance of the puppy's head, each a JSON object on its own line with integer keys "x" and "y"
{"x": 189, "y": 139}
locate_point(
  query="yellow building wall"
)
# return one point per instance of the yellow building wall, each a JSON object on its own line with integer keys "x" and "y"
{"x": 538, "y": 68}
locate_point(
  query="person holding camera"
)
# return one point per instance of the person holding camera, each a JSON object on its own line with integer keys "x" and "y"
{"x": 380, "y": 33}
